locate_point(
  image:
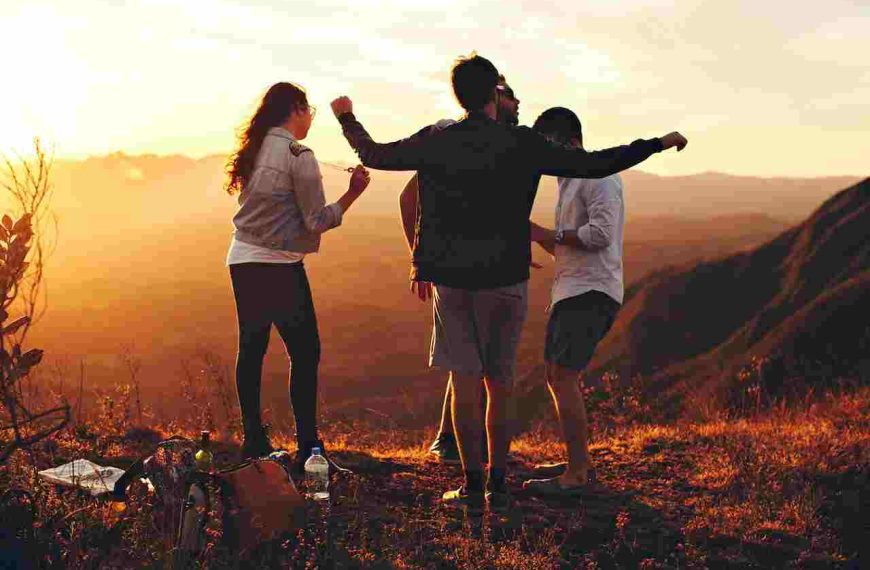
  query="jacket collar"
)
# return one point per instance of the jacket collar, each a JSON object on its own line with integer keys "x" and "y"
{"x": 281, "y": 132}
{"x": 478, "y": 116}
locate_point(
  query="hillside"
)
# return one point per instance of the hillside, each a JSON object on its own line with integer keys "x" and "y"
{"x": 729, "y": 294}
{"x": 793, "y": 308}
{"x": 167, "y": 291}
{"x": 141, "y": 244}
{"x": 147, "y": 190}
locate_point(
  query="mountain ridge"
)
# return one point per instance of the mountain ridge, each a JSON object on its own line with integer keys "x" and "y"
{"x": 708, "y": 323}
{"x": 119, "y": 154}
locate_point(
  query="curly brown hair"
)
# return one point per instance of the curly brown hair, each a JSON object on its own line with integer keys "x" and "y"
{"x": 277, "y": 105}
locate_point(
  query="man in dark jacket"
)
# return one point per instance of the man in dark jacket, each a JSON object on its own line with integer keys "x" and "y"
{"x": 477, "y": 182}
{"x": 444, "y": 448}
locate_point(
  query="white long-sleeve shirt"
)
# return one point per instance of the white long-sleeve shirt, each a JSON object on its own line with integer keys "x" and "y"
{"x": 594, "y": 209}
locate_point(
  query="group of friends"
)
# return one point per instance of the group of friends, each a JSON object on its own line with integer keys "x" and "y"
{"x": 465, "y": 215}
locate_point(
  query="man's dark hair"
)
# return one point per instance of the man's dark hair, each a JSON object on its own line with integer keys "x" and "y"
{"x": 474, "y": 78}
{"x": 505, "y": 89}
{"x": 560, "y": 123}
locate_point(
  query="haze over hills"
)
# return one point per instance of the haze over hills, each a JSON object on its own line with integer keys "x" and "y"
{"x": 169, "y": 189}
{"x": 790, "y": 314}
{"x": 142, "y": 243}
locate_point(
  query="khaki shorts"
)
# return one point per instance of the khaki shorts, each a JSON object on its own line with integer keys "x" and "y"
{"x": 476, "y": 332}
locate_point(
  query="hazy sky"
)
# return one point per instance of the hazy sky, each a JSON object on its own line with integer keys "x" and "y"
{"x": 762, "y": 88}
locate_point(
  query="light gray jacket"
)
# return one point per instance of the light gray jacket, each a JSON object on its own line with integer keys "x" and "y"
{"x": 283, "y": 205}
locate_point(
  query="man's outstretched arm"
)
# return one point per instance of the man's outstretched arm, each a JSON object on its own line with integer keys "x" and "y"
{"x": 559, "y": 160}
{"x": 405, "y": 154}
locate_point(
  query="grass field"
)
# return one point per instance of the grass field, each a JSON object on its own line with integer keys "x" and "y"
{"x": 784, "y": 488}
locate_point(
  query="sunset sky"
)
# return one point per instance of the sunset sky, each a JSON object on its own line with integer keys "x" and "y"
{"x": 760, "y": 88}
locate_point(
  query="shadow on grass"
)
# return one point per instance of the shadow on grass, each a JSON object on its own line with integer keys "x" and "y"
{"x": 388, "y": 511}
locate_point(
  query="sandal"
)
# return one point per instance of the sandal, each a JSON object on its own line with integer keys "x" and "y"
{"x": 554, "y": 487}
{"x": 545, "y": 470}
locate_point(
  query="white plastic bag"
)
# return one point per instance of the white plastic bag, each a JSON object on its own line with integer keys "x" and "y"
{"x": 84, "y": 474}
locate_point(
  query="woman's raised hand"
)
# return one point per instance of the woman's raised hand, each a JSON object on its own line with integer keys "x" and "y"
{"x": 360, "y": 179}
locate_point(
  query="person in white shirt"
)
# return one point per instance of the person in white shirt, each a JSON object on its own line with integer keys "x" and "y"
{"x": 587, "y": 293}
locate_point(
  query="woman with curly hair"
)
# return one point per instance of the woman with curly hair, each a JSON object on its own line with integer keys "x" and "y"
{"x": 282, "y": 212}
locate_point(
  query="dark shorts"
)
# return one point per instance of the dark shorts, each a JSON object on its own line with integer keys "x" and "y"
{"x": 576, "y": 326}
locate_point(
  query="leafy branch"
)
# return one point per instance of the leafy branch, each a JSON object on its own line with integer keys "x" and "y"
{"x": 22, "y": 254}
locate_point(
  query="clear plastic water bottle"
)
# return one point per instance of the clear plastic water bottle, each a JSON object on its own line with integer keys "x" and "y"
{"x": 317, "y": 476}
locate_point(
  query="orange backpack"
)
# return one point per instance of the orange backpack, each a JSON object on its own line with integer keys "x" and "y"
{"x": 256, "y": 502}
{"x": 251, "y": 503}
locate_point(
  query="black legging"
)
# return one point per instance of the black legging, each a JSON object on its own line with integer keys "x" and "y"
{"x": 279, "y": 294}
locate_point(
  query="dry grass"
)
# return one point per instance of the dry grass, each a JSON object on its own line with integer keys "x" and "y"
{"x": 784, "y": 488}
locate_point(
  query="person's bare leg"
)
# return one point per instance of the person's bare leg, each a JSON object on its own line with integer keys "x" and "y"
{"x": 564, "y": 385}
{"x": 466, "y": 420}
{"x": 511, "y": 421}
{"x": 498, "y": 399}
{"x": 446, "y": 426}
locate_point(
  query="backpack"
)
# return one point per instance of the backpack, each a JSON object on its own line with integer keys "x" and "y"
{"x": 246, "y": 505}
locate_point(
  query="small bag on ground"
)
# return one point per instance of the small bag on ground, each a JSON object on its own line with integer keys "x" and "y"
{"x": 248, "y": 504}
{"x": 252, "y": 503}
